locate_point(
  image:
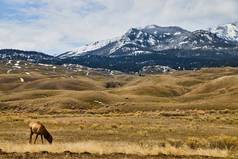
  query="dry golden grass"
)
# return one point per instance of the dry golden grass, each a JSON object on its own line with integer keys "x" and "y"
{"x": 96, "y": 147}
{"x": 62, "y": 84}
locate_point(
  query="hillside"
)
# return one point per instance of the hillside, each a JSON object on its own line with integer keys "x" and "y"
{"x": 48, "y": 88}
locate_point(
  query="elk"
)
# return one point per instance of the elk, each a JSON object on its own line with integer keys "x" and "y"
{"x": 39, "y": 129}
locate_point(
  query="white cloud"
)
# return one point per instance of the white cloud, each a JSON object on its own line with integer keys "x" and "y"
{"x": 55, "y": 26}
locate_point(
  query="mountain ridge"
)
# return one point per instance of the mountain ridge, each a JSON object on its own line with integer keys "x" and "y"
{"x": 32, "y": 56}
{"x": 153, "y": 46}
{"x": 155, "y": 38}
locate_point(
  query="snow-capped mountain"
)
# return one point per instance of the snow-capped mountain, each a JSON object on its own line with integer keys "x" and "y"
{"x": 226, "y": 31}
{"x": 151, "y": 39}
{"x": 149, "y": 49}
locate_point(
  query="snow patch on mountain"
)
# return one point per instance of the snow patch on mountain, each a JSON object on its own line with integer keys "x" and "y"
{"x": 177, "y": 33}
{"x": 89, "y": 47}
{"x": 226, "y": 31}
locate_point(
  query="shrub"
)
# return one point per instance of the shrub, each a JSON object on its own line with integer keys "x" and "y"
{"x": 113, "y": 84}
{"x": 175, "y": 143}
{"x": 195, "y": 143}
{"x": 114, "y": 126}
{"x": 223, "y": 142}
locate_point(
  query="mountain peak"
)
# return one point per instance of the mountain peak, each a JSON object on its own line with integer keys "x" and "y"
{"x": 227, "y": 31}
{"x": 153, "y": 26}
{"x": 155, "y": 29}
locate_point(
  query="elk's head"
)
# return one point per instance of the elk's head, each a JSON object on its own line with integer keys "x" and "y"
{"x": 48, "y": 137}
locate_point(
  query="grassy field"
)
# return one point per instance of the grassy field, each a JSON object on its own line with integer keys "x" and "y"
{"x": 186, "y": 114}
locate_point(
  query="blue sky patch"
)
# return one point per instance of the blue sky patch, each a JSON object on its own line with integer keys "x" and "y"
{"x": 15, "y": 11}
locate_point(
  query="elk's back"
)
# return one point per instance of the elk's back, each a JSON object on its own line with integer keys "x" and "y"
{"x": 37, "y": 127}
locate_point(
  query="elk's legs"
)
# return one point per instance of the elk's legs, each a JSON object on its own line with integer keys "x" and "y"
{"x": 42, "y": 139}
{"x": 36, "y": 138}
{"x": 30, "y": 140}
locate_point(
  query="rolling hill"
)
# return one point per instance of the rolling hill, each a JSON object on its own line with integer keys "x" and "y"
{"x": 48, "y": 89}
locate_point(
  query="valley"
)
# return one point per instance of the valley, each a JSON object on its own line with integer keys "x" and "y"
{"x": 178, "y": 113}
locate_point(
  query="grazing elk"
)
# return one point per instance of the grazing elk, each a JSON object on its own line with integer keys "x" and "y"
{"x": 39, "y": 129}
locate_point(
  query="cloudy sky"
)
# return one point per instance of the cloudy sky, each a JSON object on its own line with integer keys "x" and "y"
{"x": 56, "y": 26}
